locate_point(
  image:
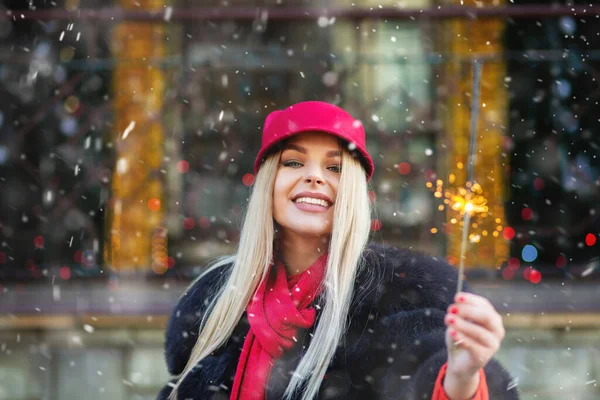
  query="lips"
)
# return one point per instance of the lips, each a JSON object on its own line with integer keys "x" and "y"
{"x": 311, "y": 207}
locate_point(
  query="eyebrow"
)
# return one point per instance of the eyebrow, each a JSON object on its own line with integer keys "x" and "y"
{"x": 290, "y": 146}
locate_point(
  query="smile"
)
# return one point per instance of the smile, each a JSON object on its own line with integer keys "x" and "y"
{"x": 311, "y": 205}
{"x": 310, "y": 200}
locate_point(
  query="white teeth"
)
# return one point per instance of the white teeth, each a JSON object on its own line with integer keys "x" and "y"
{"x": 310, "y": 200}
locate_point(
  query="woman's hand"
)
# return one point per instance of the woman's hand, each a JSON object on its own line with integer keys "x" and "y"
{"x": 475, "y": 331}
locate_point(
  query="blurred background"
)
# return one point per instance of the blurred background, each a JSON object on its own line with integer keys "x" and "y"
{"x": 128, "y": 129}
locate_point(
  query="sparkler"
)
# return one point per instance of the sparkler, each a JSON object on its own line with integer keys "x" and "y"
{"x": 469, "y": 207}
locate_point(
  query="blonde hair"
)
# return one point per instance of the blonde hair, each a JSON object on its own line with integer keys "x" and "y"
{"x": 349, "y": 238}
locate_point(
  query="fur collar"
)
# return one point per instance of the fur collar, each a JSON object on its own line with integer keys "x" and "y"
{"x": 394, "y": 341}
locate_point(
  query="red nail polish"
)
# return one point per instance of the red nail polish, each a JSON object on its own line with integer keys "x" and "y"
{"x": 461, "y": 298}
{"x": 453, "y": 333}
{"x": 451, "y": 320}
{"x": 454, "y": 310}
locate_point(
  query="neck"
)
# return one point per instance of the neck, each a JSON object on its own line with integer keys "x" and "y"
{"x": 298, "y": 253}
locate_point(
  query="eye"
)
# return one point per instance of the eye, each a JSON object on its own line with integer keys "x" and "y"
{"x": 336, "y": 168}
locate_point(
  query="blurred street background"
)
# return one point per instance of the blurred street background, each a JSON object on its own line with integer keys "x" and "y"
{"x": 128, "y": 129}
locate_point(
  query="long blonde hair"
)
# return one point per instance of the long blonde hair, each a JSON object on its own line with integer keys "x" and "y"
{"x": 349, "y": 237}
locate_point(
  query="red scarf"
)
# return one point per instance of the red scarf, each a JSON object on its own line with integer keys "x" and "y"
{"x": 280, "y": 306}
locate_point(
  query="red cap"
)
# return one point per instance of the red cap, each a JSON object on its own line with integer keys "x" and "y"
{"x": 314, "y": 116}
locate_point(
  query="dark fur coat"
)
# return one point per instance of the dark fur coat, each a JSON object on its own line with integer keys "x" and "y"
{"x": 394, "y": 347}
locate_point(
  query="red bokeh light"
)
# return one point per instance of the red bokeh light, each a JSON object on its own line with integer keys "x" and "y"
{"x": 508, "y": 233}
{"x": 514, "y": 263}
{"x": 404, "y": 168}
{"x": 430, "y": 175}
{"x": 372, "y": 196}
{"x": 65, "y": 273}
{"x": 527, "y": 214}
{"x": 590, "y": 239}
{"x": 375, "y": 225}
{"x": 535, "y": 276}
{"x": 38, "y": 241}
{"x": 204, "y": 222}
{"x": 154, "y": 204}
{"x": 78, "y": 257}
{"x": 188, "y": 223}
{"x": 183, "y": 166}
{"x": 248, "y": 179}
{"x": 538, "y": 183}
{"x": 171, "y": 262}
{"x": 561, "y": 261}
{"x": 508, "y": 274}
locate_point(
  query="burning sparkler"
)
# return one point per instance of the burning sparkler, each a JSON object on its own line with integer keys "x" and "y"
{"x": 469, "y": 200}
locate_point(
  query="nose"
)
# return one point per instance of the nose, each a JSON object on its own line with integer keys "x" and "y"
{"x": 313, "y": 178}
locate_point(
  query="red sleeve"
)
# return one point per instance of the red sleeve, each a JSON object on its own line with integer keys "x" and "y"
{"x": 440, "y": 394}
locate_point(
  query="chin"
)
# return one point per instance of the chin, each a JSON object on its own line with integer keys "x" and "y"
{"x": 312, "y": 231}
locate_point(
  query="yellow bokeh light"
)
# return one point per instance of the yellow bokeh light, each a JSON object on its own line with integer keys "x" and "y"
{"x": 71, "y": 104}
{"x": 434, "y": 230}
{"x": 67, "y": 54}
{"x": 474, "y": 238}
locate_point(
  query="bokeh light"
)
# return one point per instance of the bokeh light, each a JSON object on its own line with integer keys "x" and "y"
{"x": 248, "y": 179}
{"x": 508, "y": 274}
{"x": 535, "y": 276}
{"x": 65, "y": 273}
{"x": 529, "y": 253}
{"x": 404, "y": 168}
{"x": 508, "y": 233}
{"x": 38, "y": 241}
{"x": 183, "y": 166}
{"x": 527, "y": 214}
{"x": 375, "y": 225}
{"x": 188, "y": 223}
{"x": 154, "y": 204}
{"x": 538, "y": 184}
{"x": 514, "y": 263}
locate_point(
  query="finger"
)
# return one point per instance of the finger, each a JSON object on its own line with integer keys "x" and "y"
{"x": 476, "y": 332}
{"x": 488, "y": 318}
{"x": 472, "y": 298}
{"x": 477, "y": 351}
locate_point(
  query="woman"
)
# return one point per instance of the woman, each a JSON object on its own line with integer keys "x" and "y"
{"x": 308, "y": 309}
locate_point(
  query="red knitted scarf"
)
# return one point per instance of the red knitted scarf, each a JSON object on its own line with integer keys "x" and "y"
{"x": 280, "y": 306}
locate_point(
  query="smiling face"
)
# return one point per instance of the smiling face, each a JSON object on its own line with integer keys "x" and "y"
{"x": 306, "y": 184}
